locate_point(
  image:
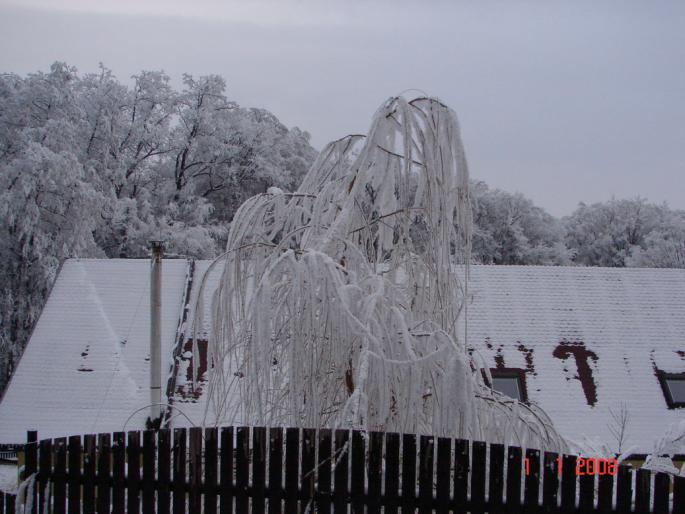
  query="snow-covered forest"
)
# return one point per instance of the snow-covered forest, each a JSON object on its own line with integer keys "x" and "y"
{"x": 92, "y": 166}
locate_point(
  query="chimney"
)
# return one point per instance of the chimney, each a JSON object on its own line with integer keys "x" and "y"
{"x": 157, "y": 252}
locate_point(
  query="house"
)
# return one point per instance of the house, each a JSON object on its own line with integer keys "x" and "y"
{"x": 589, "y": 345}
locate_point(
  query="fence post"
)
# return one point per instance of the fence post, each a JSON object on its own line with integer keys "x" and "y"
{"x": 342, "y": 458}
{"x": 163, "y": 471}
{"x": 408, "y": 472}
{"x": 242, "y": 469}
{"x": 642, "y": 487}
{"x": 375, "y": 472}
{"x": 308, "y": 467}
{"x": 211, "y": 450}
{"x": 568, "y": 484}
{"x": 426, "y": 451}
{"x": 323, "y": 502}
{"x": 392, "y": 472}
{"x": 275, "y": 470}
{"x": 662, "y": 485}
{"x": 532, "y": 481}
{"x": 103, "y": 479}
{"x": 31, "y": 460}
{"x": 357, "y": 471}
{"x": 258, "y": 469}
{"x": 461, "y": 474}
{"x": 149, "y": 461}
{"x": 74, "y": 473}
{"x": 179, "y": 480}
{"x": 514, "y": 463}
{"x": 133, "y": 475}
{"x": 226, "y": 468}
{"x": 679, "y": 494}
{"x": 44, "y": 474}
{"x": 550, "y": 484}
{"x": 89, "y": 474}
{"x": 496, "y": 478}
{"x": 195, "y": 469}
{"x": 478, "y": 476}
{"x": 624, "y": 489}
{"x": 292, "y": 468}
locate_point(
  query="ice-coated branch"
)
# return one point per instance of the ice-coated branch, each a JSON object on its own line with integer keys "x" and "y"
{"x": 339, "y": 304}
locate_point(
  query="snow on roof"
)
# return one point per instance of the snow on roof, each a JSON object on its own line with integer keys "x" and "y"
{"x": 589, "y": 339}
{"x": 86, "y": 367}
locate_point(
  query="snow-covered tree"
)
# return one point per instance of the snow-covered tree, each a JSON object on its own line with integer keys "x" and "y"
{"x": 510, "y": 229}
{"x": 92, "y": 167}
{"x": 610, "y": 233}
{"x": 330, "y": 313}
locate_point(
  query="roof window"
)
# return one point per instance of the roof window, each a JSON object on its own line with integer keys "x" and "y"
{"x": 673, "y": 386}
{"x": 510, "y": 382}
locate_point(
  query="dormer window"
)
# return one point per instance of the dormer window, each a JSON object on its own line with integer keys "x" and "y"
{"x": 673, "y": 386}
{"x": 511, "y": 382}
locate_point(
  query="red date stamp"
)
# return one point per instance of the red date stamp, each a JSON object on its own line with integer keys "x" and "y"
{"x": 585, "y": 466}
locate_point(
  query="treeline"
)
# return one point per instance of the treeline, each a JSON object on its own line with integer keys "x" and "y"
{"x": 92, "y": 167}
{"x": 510, "y": 229}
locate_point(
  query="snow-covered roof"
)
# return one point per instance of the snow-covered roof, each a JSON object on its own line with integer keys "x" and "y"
{"x": 589, "y": 340}
{"x": 86, "y": 367}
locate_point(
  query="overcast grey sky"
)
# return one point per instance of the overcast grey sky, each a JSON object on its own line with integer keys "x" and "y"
{"x": 562, "y": 101}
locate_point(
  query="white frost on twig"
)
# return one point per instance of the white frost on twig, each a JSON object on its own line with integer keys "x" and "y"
{"x": 338, "y": 304}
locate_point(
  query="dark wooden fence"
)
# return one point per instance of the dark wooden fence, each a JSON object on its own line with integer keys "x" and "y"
{"x": 274, "y": 471}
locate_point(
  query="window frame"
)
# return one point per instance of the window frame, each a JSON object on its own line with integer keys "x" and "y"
{"x": 663, "y": 382}
{"x": 517, "y": 373}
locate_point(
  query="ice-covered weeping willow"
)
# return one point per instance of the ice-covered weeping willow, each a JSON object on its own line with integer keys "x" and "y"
{"x": 339, "y": 305}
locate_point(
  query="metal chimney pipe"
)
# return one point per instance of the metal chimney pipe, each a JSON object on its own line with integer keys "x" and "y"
{"x": 157, "y": 252}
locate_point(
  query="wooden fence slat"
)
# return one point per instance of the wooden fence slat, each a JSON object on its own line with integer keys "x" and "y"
{"x": 478, "y": 466}
{"x": 662, "y": 486}
{"x": 308, "y": 467}
{"x": 375, "y": 472}
{"x": 211, "y": 452}
{"x": 149, "y": 461}
{"x": 496, "y": 487}
{"x": 426, "y": 458}
{"x": 357, "y": 468}
{"x": 195, "y": 469}
{"x": 258, "y": 469}
{"x": 323, "y": 503}
{"x": 408, "y": 473}
{"x": 442, "y": 472}
{"x": 242, "y": 470}
{"x": 31, "y": 462}
{"x": 275, "y": 470}
{"x": 550, "y": 484}
{"x": 342, "y": 459}
{"x": 568, "y": 484}
{"x": 133, "y": 475}
{"x": 9, "y": 503}
{"x": 531, "y": 481}
{"x": 642, "y": 490}
{"x": 104, "y": 485}
{"x": 292, "y": 468}
{"x": 89, "y": 460}
{"x": 60, "y": 476}
{"x": 678, "y": 494}
{"x": 624, "y": 489}
{"x": 462, "y": 468}
{"x": 392, "y": 472}
{"x": 74, "y": 475}
{"x": 2, "y": 502}
{"x": 179, "y": 471}
{"x": 513, "y": 489}
{"x": 44, "y": 472}
{"x": 586, "y": 492}
{"x": 605, "y": 494}
{"x": 226, "y": 471}
{"x": 163, "y": 471}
